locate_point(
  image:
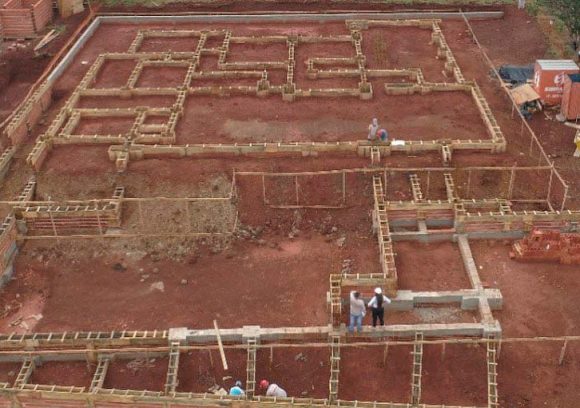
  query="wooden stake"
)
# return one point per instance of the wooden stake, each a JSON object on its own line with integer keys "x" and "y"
{"x": 141, "y": 225}
{"x": 550, "y": 186}
{"x": 188, "y": 215}
{"x": 565, "y": 197}
{"x": 271, "y": 356}
{"x": 442, "y": 351}
{"x": 563, "y": 352}
{"x": 264, "y": 188}
{"x": 343, "y": 188}
{"x": 385, "y": 354}
{"x": 220, "y": 345}
{"x": 468, "y": 184}
{"x": 210, "y": 358}
{"x": 296, "y": 189}
{"x": 511, "y": 184}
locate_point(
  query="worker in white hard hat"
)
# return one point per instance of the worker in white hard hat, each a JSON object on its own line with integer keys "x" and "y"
{"x": 377, "y": 306}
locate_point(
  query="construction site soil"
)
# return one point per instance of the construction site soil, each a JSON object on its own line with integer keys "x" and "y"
{"x": 275, "y": 270}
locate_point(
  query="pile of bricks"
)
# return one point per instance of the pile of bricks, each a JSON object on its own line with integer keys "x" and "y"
{"x": 25, "y": 18}
{"x": 548, "y": 246}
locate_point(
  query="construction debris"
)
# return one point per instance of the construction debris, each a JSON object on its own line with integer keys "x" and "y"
{"x": 548, "y": 246}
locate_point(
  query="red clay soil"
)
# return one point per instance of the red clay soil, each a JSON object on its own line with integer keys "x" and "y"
{"x": 430, "y": 267}
{"x": 403, "y": 48}
{"x": 65, "y": 373}
{"x": 529, "y": 375}
{"x": 19, "y": 68}
{"x": 456, "y": 377}
{"x": 267, "y": 272}
{"x": 9, "y": 372}
{"x": 243, "y": 119}
{"x": 448, "y": 115}
{"x": 198, "y": 371}
{"x": 141, "y": 374}
{"x": 97, "y": 45}
{"x": 365, "y": 376}
{"x": 98, "y": 126}
{"x": 168, "y": 44}
{"x": 540, "y": 299}
{"x": 302, "y": 372}
{"x": 170, "y": 77}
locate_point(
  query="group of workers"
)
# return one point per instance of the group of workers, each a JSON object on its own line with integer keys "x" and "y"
{"x": 272, "y": 390}
{"x": 358, "y": 309}
{"x": 376, "y": 133}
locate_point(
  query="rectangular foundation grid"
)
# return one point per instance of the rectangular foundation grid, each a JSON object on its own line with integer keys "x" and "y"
{"x": 145, "y": 141}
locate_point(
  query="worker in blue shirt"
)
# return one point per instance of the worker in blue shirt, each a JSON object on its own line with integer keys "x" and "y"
{"x": 236, "y": 390}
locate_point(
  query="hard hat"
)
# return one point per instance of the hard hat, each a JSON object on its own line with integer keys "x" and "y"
{"x": 378, "y": 291}
{"x": 264, "y": 384}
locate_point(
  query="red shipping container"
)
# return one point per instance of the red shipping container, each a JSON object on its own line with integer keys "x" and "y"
{"x": 549, "y": 79}
{"x": 571, "y": 97}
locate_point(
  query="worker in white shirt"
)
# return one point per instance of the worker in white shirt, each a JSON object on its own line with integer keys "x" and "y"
{"x": 373, "y": 129}
{"x": 272, "y": 390}
{"x": 357, "y": 311}
{"x": 377, "y": 306}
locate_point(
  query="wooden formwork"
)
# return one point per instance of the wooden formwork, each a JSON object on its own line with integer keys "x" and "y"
{"x": 80, "y": 215}
{"x": 8, "y": 248}
{"x": 25, "y": 119}
{"x": 25, "y": 18}
{"x": 159, "y": 140}
{"x": 381, "y": 226}
{"x": 101, "y": 353}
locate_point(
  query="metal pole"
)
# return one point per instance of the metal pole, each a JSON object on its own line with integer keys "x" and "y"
{"x": 565, "y": 197}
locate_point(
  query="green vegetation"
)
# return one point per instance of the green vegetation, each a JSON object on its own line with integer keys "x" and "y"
{"x": 560, "y": 22}
{"x": 567, "y": 13}
{"x": 558, "y": 26}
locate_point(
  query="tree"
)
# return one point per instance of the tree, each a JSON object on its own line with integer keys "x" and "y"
{"x": 569, "y": 12}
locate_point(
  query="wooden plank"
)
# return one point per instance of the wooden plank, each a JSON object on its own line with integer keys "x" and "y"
{"x": 221, "y": 346}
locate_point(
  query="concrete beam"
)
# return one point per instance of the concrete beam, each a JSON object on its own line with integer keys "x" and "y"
{"x": 471, "y": 269}
{"x": 430, "y": 330}
{"x": 265, "y": 334}
{"x": 302, "y": 17}
{"x": 467, "y": 299}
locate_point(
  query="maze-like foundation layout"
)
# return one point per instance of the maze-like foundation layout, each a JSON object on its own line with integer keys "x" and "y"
{"x": 146, "y": 260}
{"x": 151, "y": 131}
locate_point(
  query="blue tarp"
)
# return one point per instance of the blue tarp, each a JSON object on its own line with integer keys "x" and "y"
{"x": 516, "y": 74}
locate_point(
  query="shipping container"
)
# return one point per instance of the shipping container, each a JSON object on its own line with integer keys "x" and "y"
{"x": 571, "y": 97}
{"x": 549, "y": 79}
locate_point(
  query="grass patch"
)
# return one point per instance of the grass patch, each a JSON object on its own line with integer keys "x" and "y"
{"x": 555, "y": 32}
